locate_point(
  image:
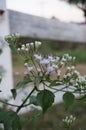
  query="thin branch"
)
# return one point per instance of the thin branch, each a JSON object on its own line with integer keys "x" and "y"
{"x": 22, "y": 105}
{"x": 8, "y": 103}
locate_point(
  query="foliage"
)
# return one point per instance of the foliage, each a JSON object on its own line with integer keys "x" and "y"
{"x": 53, "y": 118}
{"x": 77, "y": 1}
{"x": 44, "y": 74}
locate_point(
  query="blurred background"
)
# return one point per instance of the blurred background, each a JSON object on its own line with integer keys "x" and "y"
{"x": 66, "y": 14}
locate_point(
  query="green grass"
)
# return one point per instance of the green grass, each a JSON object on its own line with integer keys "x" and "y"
{"x": 79, "y": 53}
{"x": 52, "y": 119}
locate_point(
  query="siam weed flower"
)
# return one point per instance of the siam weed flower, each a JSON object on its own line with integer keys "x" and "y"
{"x": 31, "y": 44}
{"x": 27, "y": 45}
{"x": 29, "y": 69}
{"x": 68, "y": 120}
{"x": 26, "y": 64}
{"x": 51, "y": 58}
{"x": 38, "y": 57}
{"x": 50, "y": 69}
{"x": 39, "y": 70}
{"x": 18, "y": 49}
{"x": 58, "y": 72}
{"x": 37, "y": 44}
{"x": 44, "y": 61}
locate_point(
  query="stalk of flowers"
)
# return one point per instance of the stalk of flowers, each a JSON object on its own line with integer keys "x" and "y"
{"x": 45, "y": 67}
{"x": 73, "y": 79}
{"x": 28, "y": 49}
{"x": 12, "y": 40}
{"x": 68, "y": 120}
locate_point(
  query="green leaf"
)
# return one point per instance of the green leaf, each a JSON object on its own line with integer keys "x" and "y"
{"x": 0, "y": 51}
{"x": 68, "y": 98}
{"x": 25, "y": 81}
{"x": 53, "y": 83}
{"x": 82, "y": 99}
{"x": 33, "y": 100}
{"x": 10, "y": 120}
{"x": 45, "y": 98}
{"x": 12, "y": 47}
{"x": 14, "y": 93}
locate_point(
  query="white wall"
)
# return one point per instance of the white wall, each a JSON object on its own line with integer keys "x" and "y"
{"x": 5, "y": 58}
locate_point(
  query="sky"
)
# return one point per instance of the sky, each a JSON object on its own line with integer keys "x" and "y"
{"x": 47, "y": 8}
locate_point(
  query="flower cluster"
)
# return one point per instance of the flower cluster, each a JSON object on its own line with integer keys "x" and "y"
{"x": 26, "y": 47}
{"x": 47, "y": 65}
{"x": 12, "y": 38}
{"x": 51, "y": 66}
{"x": 73, "y": 78}
{"x": 68, "y": 120}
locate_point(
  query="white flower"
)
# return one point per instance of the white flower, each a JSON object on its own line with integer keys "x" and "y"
{"x": 23, "y": 45}
{"x": 17, "y": 34}
{"x": 26, "y": 49}
{"x": 31, "y": 43}
{"x": 29, "y": 68}
{"x": 38, "y": 57}
{"x": 64, "y": 59}
{"x": 27, "y": 44}
{"x": 44, "y": 61}
{"x": 55, "y": 66}
{"x": 76, "y": 72}
{"x": 68, "y": 68}
{"x": 72, "y": 67}
{"x": 74, "y": 58}
{"x": 68, "y": 75}
{"x": 69, "y": 119}
{"x": 58, "y": 72}
{"x": 50, "y": 69}
{"x": 65, "y": 76}
{"x": 25, "y": 64}
{"x": 38, "y": 43}
{"x": 38, "y": 69}
{"x": 18, "y": 49}
{"x": 57, "y": 58}
{"x": 72, "y": 81}
{"x": 51, "y": 58}
{"x": 62, "y": 63}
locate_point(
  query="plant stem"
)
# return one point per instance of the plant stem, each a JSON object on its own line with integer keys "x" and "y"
{"x": 22, "y": 105}
{"x": 8, "y": 103}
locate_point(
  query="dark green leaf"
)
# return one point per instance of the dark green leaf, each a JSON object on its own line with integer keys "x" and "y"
{"x": 25, "y": 81}
{"x": 33, "y": 100}
{"x": 0, "y": 51}
{"x": 14, "y": 93}
{"x": 10, "y": 120}
{"x": 68, "y": 98}
{"x": 12, "y": 47}
{"x": 45, "y": 98}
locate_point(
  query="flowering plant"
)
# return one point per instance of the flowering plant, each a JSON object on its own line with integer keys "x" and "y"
{"x": 45, "y": 74}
